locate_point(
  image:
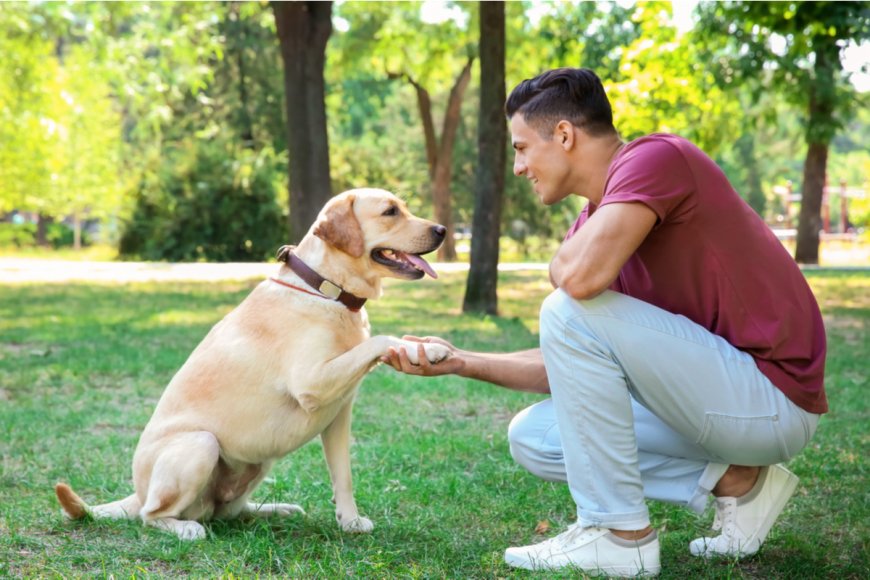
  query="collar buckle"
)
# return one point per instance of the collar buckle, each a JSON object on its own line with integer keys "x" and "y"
{"x": 329, "y": 289}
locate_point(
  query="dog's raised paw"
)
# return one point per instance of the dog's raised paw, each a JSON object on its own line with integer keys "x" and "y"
{"x": 436, "y": 352}
{"x": 358, "y": 525}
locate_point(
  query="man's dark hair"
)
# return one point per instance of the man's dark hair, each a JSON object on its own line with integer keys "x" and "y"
{"x": 572, "y": 94}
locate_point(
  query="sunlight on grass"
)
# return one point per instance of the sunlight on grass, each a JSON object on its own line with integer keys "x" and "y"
{"x": 178, "y": 318}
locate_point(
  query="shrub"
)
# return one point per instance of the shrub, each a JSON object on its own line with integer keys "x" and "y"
{"x": 208, "y": 201}
{"x": 24, "y": 235}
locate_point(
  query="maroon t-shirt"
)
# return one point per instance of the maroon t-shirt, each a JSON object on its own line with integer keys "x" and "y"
{"x": 712, "y": 259}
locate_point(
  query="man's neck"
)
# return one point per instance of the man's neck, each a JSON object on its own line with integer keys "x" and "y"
{"x": 602, "y": 154}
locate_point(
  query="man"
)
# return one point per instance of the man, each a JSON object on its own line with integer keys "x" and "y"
{"x": 682, "y": 347}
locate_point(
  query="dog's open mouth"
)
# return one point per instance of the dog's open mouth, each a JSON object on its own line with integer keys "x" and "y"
{"x": 408, "y": 265}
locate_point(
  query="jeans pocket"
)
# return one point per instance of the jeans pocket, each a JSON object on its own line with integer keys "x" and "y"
{"x": 753, "y": 440}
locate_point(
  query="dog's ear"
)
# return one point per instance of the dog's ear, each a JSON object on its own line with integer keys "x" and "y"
{"x": 284, "y": 253}
{"x": 339, "y": 227}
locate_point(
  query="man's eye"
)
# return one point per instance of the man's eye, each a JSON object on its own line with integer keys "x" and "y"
{"x": 393, "y": 210}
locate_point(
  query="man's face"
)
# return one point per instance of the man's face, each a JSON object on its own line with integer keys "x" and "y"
{"x": 542, "y": 161}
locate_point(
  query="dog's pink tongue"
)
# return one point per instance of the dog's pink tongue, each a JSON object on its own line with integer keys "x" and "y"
{"x": 422, "y": 264}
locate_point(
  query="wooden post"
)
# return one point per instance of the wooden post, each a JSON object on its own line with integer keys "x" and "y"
{"x": 844, "y": 207}
{"x": 826, "y": 209}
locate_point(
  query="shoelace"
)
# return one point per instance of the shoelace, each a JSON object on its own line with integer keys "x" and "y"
{"x": 726, "y": 512}
{"x": 574, "y": 532}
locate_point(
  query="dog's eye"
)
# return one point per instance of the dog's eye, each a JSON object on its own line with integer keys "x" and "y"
{"x": 392, "y": 211}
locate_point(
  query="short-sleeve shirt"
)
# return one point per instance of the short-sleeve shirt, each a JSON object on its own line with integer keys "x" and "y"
{"x": 712, "y": 259}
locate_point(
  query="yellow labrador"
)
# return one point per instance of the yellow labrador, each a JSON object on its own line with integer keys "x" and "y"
{"x": 281, "y": 368}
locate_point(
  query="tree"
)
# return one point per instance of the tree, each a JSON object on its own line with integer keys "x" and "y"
{"x": 27, "y": 70}
{"x": 303, "y": 31}
{"x": 664, "y": 89}
{"x": 393, "y": 38}
{"x": 481, "y": 286}
{"x": 439, "y": 152}
{"x": 61, "y": 156}
{"x": 795, "y": 48}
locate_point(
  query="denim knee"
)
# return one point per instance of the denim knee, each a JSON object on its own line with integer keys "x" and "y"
{"x": 520, "y": 440}
{"x": 554, "y": 311}
{"x": 534, "y": 442}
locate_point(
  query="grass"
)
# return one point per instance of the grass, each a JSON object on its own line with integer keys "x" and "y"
{"x": 81, "y": 367}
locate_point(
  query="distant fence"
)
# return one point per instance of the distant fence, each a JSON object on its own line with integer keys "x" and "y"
{"x": 843, "y": 193}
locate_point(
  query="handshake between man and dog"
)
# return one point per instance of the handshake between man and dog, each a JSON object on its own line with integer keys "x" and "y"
{"x": 281, "y": 368}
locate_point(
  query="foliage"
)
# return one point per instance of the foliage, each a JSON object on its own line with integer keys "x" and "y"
{"x": 780, "y": 45}
{"x": 24, "y": 235}
{"x": 793, "y": 50}
{"x": 94, "y": 97}
{"x": 207, "y": 201}
{"x": 80, "y": 374}
{"x": 665, "y": 88}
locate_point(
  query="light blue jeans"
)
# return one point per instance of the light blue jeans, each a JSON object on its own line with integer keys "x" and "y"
{"x": 647, "y": 404}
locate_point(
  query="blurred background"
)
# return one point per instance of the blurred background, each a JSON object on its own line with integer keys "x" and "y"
{"x": 210, "y": 131}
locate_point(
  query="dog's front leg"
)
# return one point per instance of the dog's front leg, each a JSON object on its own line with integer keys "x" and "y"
{"x": 344, "y": 372}
{"x": 336, "y": 448}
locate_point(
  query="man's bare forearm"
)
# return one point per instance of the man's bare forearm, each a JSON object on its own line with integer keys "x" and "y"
{"x": 518, "y": 371}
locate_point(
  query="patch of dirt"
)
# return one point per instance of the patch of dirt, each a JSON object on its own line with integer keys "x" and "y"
{"x": 22, "y": 349}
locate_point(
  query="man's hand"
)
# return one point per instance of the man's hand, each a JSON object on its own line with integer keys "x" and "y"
{"x": 398, "y": 359}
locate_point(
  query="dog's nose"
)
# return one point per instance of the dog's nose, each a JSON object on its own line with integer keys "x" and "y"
{"x": 439, "y": 230}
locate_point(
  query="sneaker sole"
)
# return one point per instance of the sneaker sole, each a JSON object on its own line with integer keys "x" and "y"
{"x": 617, "y": 571}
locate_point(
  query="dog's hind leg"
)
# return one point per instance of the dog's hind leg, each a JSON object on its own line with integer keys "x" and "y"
{"x": 181, "y": 472}
{"x": 265, "y": 510}
{"x": 75, "y": 507}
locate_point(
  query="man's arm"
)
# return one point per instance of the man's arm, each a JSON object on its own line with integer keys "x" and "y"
{"x": 588, "y": 263}
{"x": 518, "y": 371}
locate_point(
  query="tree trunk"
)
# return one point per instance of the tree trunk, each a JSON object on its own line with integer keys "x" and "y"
{"x": 77, "y": 232}
{"x": 481, "y": 287}
{"x": 42, "y": 223}
{"x": 236, "y": 27}
{"x": 303, "y": 31}
{"x": 754, "y": 191}
{"x": 440, "y": 154}
{"x": 810, "y": 217}
{"x": 820, "y": 128}
{"x": 441, "y": 196}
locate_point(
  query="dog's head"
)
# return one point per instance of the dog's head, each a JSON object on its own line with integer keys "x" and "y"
{"x": 375, "y": 228}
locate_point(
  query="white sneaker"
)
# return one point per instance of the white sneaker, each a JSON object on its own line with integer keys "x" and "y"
{"x": 745, "y": 521}
{"x": 593, "y": 550}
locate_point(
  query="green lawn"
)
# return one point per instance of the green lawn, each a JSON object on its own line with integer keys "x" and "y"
{"x": 81, "y": 367}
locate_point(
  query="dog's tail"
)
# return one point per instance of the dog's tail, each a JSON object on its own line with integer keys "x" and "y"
{"x": 75, "y": 507}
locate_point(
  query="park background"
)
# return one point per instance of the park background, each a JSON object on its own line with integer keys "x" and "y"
{"x": 140, "y": 140}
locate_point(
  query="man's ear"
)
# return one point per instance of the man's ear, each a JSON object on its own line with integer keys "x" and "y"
{"x": 564, "y": 134}
{"x": 339, "y": 227}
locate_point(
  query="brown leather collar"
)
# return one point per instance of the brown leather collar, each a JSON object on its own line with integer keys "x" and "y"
{"x": 322, "y": 285}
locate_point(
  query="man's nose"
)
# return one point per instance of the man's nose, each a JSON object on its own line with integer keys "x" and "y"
{"x": 519, "y": 167}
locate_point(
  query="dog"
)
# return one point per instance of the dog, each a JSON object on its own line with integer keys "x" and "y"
{"x": 281, "y": 368}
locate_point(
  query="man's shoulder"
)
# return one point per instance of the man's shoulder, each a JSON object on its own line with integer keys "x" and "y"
{"x": 660, "y": 141}
{"x": 658, "y": 150}
{"x": 664, "y": 151}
